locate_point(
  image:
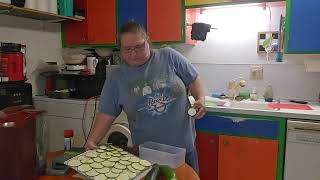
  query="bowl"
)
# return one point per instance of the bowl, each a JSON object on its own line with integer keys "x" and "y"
{"x": 73, "y": 58}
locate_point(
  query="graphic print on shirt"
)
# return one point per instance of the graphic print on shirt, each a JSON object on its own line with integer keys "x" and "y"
{"x": 154, "y": 98}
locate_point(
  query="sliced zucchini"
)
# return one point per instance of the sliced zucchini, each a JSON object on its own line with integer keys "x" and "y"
{"x": 111, "y": 175}
{"x": 134, "y": 159}
{"x": 87, "y": 160}
{"x": 116, "y": 155}
{"x": 98, "y": 159}
{"x": 81, "y": 157}
{"x": 114, "y": 159}
{"x": 129, "y": 173}
{"x": 92, "y": 154}
{"x": 115, "y": 170}
{"x": 109, "y": 153}
{"x": 120, "y": 166}
{"x": 137, "y": 166}
{"x": 108, "y": 163}
{"x": 126, "y": 163}
{"x": 96, "y": 165}
{"x": 104, "y": 156}
{"x": 92, "y": 173}
{"x": 84, "y": 168}
{"x": 133, "y": 169}
{"x": 103, "y": 170}
{"x": 123, "y": 153}
{"x": 125, "y": 158}
{"x": 100, "y": 177}
{"x": 74, "y": 163}
{"x": 145, "y": 163}
{"x": 123, "y": 177}
{"x": 109, "y": 149}
{"x": 103, "y": 147}
{"x": 100, "y": 150}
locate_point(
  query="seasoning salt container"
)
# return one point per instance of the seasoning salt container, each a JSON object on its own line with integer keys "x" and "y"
{"x": 68, "y": 135}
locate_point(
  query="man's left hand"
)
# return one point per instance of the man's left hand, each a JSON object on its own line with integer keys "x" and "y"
{"x": 200, "y": 107}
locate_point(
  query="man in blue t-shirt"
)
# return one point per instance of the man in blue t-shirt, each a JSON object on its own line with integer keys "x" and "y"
{"x": 151, "y": 86}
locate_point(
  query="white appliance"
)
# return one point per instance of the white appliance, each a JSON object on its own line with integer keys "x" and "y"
{"x": 119, "y": 131}
{"x": 302, "y": 160}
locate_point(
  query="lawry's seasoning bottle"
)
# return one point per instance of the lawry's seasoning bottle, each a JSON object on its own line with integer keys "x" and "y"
{"x": 68, "y": 135}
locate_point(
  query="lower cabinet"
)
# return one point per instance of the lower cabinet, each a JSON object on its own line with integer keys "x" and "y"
{"x": 242, "y": 158}
{"x": 207, "y": 147}
{"x": 240, "y": 147}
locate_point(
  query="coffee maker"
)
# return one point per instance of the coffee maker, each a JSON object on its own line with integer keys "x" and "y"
{"x": 12, "y": 62}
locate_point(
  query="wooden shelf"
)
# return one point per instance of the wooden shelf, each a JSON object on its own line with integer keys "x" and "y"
{"x": 34, "y": 14}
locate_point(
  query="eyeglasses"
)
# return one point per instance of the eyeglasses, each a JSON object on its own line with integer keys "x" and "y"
{"x": 136, "y": 48}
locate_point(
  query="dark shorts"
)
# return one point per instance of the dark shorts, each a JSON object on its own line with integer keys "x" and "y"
{"x": 192, "y": 160}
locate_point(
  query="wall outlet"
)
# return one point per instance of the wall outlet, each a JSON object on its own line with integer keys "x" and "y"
{"x": 256, "y": 72}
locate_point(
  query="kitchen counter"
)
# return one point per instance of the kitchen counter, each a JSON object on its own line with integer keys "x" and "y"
{"x": 313, "y": 114}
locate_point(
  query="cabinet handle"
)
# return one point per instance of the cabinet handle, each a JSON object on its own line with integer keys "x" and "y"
{"x": 226, "y": 143}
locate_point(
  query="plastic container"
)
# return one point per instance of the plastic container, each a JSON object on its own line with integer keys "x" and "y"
{"x": 65, "y": 7}
{"x": 162, "y": 154}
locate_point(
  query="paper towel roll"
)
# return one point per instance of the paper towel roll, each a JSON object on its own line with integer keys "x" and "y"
{"x": 31, "y": 4}
{"x": 43, "y": 5}
{"x": 53, "y": 7}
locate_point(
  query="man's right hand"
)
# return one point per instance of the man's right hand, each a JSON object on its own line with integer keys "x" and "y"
{"x": 90, "y": 145}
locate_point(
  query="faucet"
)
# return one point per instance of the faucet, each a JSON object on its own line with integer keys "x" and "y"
{"x": 234, "y": 87}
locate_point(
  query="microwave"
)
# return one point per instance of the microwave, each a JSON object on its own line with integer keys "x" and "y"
{"x": 79, "y": 86}
{"x": 15, "y": 93}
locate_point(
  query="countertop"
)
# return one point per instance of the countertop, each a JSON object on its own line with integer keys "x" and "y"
{"x": 313, "y": 114}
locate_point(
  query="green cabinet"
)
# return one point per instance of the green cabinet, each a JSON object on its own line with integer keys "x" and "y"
{"x": 302, "y": 27}
{"x": 248, "y": 146}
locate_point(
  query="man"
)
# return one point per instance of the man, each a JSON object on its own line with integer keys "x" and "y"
{"x": 151, "y": 86}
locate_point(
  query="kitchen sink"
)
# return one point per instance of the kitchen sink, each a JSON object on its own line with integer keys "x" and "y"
{"x": 249, "y": 105}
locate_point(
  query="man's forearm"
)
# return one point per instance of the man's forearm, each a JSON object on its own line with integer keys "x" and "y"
{"x": 197, "y": 89}
{"x": 101, "y": 125}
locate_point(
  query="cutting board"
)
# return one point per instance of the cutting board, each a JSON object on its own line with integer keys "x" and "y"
{"x": 289, "y": 106}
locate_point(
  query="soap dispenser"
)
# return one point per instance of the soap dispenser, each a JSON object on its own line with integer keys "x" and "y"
{"x": 254, "y": 94}
{"x": 268, "y": 94}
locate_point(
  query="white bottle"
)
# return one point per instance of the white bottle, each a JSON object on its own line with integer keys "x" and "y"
{"x": 43, "y": 5}
{"x": 6, "y": 1}
{"x": 68, "y": 135}
{"x": 254, "y": 94}
{"x": 53, "y": 7}
{"x": 31, "y": 4}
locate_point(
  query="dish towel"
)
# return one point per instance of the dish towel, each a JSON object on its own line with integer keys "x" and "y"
{"x": 312, "y": 65}
{"x": 199, "y": 31}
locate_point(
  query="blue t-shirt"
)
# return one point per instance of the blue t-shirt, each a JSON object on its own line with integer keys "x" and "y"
{"x": 154, "y": 97}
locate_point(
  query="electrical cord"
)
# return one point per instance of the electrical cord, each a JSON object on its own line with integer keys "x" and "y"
{"x": 84, "y": 115}
{"x": 93, "y": 119}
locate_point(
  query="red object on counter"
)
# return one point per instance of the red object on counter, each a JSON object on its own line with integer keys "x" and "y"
{"x": 18, "y": 143}
{"x": 68, "y": 133}
{"x": 289, "y": 106}
{"x": 12, "y": 66}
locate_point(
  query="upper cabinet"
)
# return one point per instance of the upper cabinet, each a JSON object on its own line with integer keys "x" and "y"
{"x": 302, "y": 27}
{"x": 99, "y": 26}
{"x": 129, "y": 10}
{"x": 163, "y": 20}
